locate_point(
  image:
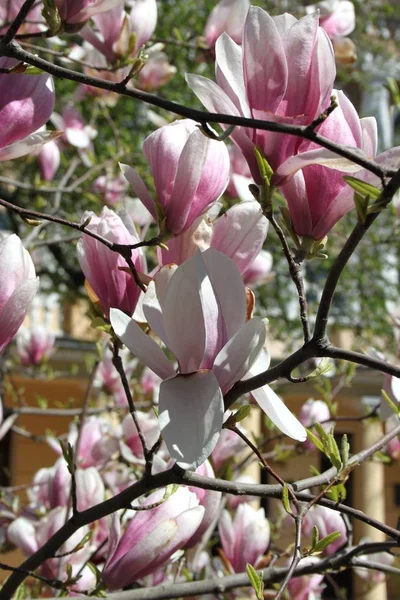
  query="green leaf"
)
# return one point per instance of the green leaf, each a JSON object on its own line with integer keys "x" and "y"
{"x": 256, "y": 580}
{"x": 326, "y": 541}
{"x": 337, "y": 493}
{"x": 334, "y": 453}
{"x": 345, "y": 447}
{"x": 264, "y": 167}
{"x": 362, "y": 204}
{"x": 315, "y": 537}
{"x": 315, "y": 440}
{"x": 285, "y": 499}
{"x": 363, "y": 188}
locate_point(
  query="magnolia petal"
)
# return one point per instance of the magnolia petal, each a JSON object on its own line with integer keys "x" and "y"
{"x": 279, "y": 414}
{"x": 77, "y": 137}
{"x": 240, "y": 233}
{"x": 191, "y": 417}
{"x": 187, "y": 179}
{"x": 240, "y": 353}
{"x": 27, "y": 145}
{"x": 229, "y": 72}
{"x": 139, "y": 187}
{"x": 140, "y": 344}
{"x": 321, "y": 156}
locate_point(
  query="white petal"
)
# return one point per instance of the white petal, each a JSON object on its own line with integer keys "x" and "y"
{"x": 140, "y": 344}
{"x": 191, "y": 417}
{"x": 279, "y": 414}
{"x": 242, "y": 350}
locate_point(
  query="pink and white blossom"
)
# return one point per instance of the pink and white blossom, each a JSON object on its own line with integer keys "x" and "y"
{"x": 18, "y": 287}
{"x": 245, "y": 538}
{"x": 284, "y": 72}
{"x": 26, "y": 103}
{"x": 77, "y": 12}
{"x": 314, "y": 411}
{"x": 337, "y": 17}
{"x": 103, "y": 268}
{"x": 228, "y": 16}
{"x": 49, "y": 160}
{"x": 199, "y": 311}
{"x": 151, "y": 537}
{"x": 190, "y": 173}
{"x": 35, "y": 345}
{"x": 326, "y": 521}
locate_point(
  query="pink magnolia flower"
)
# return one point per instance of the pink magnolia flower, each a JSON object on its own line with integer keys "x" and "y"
{"x": 283, "y": 72}
{"x": 337, "y": 17}
{"x": 112, "y": 34}
{"x": 151, "y": 537}
{"x": 77, "y": 12}
{"x": 35, "y": 345}
{"x": 190, "y": 172}
{"x": 19, "y": 285}
{"x": 306, "y": 587}
{"x": 150, "y": 429}
{"x": 369, "y": 575}
{"x": 228, "y": 16}
{"x": 102, "y": 267}
{"x": 210, "y": 500}
{"x": 239, "y": 233}
{"x": 327, "y": 521}
{"x": 157, "y": 71}
{"x": 245, "y": 538}
{"x": 143, "y": 18}
{"x": 29, "y": 536}
{"x": 312, "y": 181}
{"x": 98, "y": 442}
{"x": 199, "y": 311}
{"x": 9, "y": 10}
{"x": 110, "y": 189}
{"x": 230, "y": 445}
{"x": 26, "y": 103}
{"x": 76, "y": 132}
{"x": 49, "y": 160}
{"x": 314, "y": 411}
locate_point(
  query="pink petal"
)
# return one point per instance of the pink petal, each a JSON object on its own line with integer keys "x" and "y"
{"x": 264, "y": 61}
{"x": 139, "y": 188}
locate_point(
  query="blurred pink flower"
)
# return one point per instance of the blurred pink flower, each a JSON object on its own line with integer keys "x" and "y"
{"x": 228, "y": 16}
{"x": 35, "y": 345}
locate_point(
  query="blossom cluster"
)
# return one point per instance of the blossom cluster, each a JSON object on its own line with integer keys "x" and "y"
{"x": 186, "y": 311}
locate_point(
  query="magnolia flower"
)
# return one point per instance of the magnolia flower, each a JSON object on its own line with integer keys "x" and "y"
{"x": 143, "y": 18}
{"x": 314, "y": 411}
{"x": 337, "y": 17}
{"x": 151, "y": 537}
{"x": 76, "y": 12}
{"x": 229, "y": 445}
{"x": 393, "y": 447}
{"x": 9, "y": 10}
{"x": 190, "y": 172}
{"x": 49, "y": 160}
{"x": 35, "y": 345}
{"x": 245, "y": 538}
{"x": 19, "y": 285}
{"x": 307, "y": 587}
{"x": 371, "y": 576}
{"x": 210, "y": 500}
{"x": 327, "y": 521}
{"x": 156, "y": 72}
{"x": 29, "y": 536}
{"x": 104, "y": 269}
{"x": 229, "y": 16}
{"x": 199, "y": 311}
{"x": 110, "y": 189}
{"x": 26, "y": 103}
{"x": 239, "y": 233}
{"x": 76, "y": 132}
{"x": 240, "y": 178}
{"x": 284, "y": 72}
{"x": 312, "y": 181}
{"x": 132, "y": 448}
